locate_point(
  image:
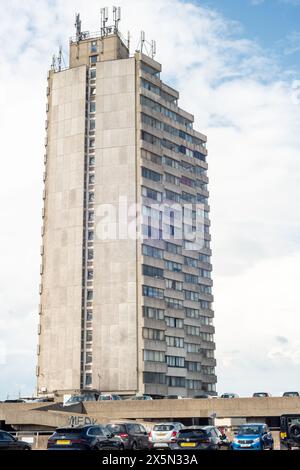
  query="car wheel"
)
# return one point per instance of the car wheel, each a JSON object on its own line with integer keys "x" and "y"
{"x": 134, "y": 446}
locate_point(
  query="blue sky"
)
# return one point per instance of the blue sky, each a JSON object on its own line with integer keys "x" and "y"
{"x": 270, "y": 22}
{"x": 236, "y": 65}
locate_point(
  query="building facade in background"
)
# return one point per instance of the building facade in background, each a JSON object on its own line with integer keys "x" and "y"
{"x": 126, "y": 302}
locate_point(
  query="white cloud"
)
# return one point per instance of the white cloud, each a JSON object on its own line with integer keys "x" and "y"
{"x": 251, "y": 117}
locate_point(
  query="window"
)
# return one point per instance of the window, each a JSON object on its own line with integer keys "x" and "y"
{"x": 89, "y": 295}
{"x": 204, "y": 258}
{"x": 174, "y": 322}
{"x": 154, "y": 378}
{"x": 171, "y": 196}
{"x": 93, "y": 91}
{"x": 154, "y": 356}
{"x": 93, "y": 74}
{"x": 172, "y": 179}
{"x": 191, "y": 295}
{"x": 193, "y": 366}
{"x": 151, "y": 139}
{"x": 176, "y": 381}
{"x": 152, "y": 175}
{"x": 204, "y": 273}
{"x": 152, "y": 251}
{"x": 92, "y": 143}
{"x": 175, "y": 342}
{"x": 153, "y": 334}
{"x": 92, "y": 179}
{"x": 174, "y": 361}
{"x": 176, "y": 304}
{"x": 193, "y": 348}
{"x": 90, "y": 274}
{"x": 89, "y": 336}
{"x": 94, "y": 46}
{"x": 192, "y": 330}
{"x": 191, "y": 279}
{"x": 91, "y": 197}
{"x": 93, "y": 107}
{"x": 205, "y": 305}
{"x": 90, "y": 255}
{"x": 191, "y": 312}
{"x": 172, "y": 266}
{"x": 89, "y": 315}
{"x": 92, "y": 161}
{"x": 150, "y": 121}
{"x": 151, "y": 271}
{"x": 205, "y": 289}
{"x": 207, "y": 321}
{"x": 93, "y": 59}
{"x": 190, "y": 262}
{"x": 91, "y": 216}
{"x": 208, "y": 353}
{"x": 187, "y": 197}
{"x": 92, "y": 124}
{"x": 90, "y": 235}
{"x": 172, "y": 248}
{"x": 152, "y": 157}
{"x": 151, "y": 194}
{"x": 193, "y": 384}
{"x": 153, "y": 313}
{"x": 88, "y": 358}
{"x": 207, "y": 337}
{"x": 174, "y": 285}
{"x": 88, "y": 379}
{"x": 149, "y": 291}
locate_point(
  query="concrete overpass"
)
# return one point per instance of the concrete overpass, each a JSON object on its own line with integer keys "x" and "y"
{"x": 49, "y": 416}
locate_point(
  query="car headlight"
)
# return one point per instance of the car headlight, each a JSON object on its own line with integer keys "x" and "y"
{"x": 256, "y": 441}
{"x": 235, "y": 440}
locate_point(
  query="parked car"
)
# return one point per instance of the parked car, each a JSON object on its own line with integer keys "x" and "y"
{"x": 163, "y": 434}
{"x": 199, "y": 438}
{"x": 9, "y": 442}
{"x": 93, "y": 437}
{"x": 253, "y": 436}
{"x": 173, "y": 397}
{"x": 289, "y": 431}
{"x": 229, "y": 395}
{"x": 141, "y": 397}
{"x": 202, "y": 396}
{"x": 16, "y": 400}
{"x": 291, "y": 394}
{"x": 109, "y": 397}
{"x": 133, "y": 435}
{"x": 261, "y": 395}
{"x": 75, "y": 399}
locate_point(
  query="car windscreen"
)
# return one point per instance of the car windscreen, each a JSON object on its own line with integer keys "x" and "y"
{"x": 192, "y": 434}
{"x": 163, "y": 427}
{"x": 116, "y": 428}
{"x": 249, "y": 430}
{"x": 260, "y": 395}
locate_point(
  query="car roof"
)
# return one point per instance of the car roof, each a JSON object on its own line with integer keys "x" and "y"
{"x": 253, "y": 424}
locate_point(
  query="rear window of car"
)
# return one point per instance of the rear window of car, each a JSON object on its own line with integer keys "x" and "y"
{"x": 163, "y": 427}
{"x": 192, "y": 433}
{"x": 116, "y": 428}
{"x": 70, "y": 432}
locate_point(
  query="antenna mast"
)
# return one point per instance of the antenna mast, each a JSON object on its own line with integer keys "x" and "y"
{"x": 116, "y": 17}
{"x": 104, "y": 20}
{"x": 78, "y": 27}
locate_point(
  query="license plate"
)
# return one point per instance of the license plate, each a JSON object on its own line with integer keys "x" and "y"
{"x": 188, "y": 444}
{"x": 63, "y": 443}
{"x": 161, "y": 434}
{"x": 245, "y": 445}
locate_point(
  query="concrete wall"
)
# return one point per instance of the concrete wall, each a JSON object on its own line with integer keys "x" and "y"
{"x": 115, "y": 306}
{"x": 60, "y": 320}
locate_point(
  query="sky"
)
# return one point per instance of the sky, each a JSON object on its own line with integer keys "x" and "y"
{"x": 236, "y": 64}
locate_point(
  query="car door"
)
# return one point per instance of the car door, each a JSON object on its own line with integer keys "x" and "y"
{"x": 103, "y": 442}
{"x": 144, "y": 437}
{"x": 7, "y": 441}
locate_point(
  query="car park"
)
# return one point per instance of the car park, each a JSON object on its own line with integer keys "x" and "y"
{"x": 261, "y": 395}
{"x": 253, "y": 436}
{"x": 289, "y": 431}
{"x": 9, "y": 442}
{"x": 229, "y": 395}
{"x": 163, "y": 434}
{"x": 291, "y": 394}
{"x": 133, "y": 435}
{"x": 199, "y": 438}
{"x": 93, "y": 437}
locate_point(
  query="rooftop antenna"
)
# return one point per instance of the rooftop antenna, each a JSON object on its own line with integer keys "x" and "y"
{"x": 153, "y": 49}
{"x": 78, "y": 27}
{"x": 53, "y": 64}
{"x": 104, "y": 20}
{"x": 128, "y": 40}
{"x": 143, "y": 39}
{"x": 116, "y": 17}
{"x": 59, "y": 59}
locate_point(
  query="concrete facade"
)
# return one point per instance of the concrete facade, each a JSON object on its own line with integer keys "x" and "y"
{"x": 121, "y": 313}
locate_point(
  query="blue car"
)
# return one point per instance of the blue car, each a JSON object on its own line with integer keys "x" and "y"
{"x": 253, "y": 436}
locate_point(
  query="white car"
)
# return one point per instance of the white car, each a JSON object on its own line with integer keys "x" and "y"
{"x": 163, "y": 434}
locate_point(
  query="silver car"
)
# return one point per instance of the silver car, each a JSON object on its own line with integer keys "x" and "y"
{"x": 163, "y": 434}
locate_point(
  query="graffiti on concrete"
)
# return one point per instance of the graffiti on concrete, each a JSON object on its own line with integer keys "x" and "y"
{"x": 75, "y": 421}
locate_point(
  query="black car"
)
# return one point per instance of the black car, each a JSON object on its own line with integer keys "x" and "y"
{"x": 93, "y": 437}
{"x": 9, "y": 442}
{"x": 134, "y": 436}
{"x": 199, "y": 438}
{"x": 289, "y": 431}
